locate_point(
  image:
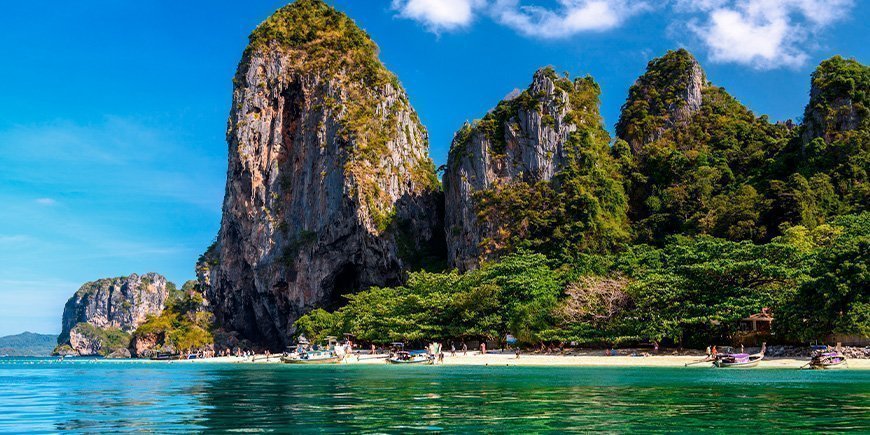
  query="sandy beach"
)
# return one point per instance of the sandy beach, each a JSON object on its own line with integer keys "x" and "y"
{"x": 588, "y": 359}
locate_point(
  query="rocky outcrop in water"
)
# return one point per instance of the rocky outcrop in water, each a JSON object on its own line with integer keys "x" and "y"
{"x": 522, "y": 140}
{"x": 106, "y": 310}
{"x": 121, "y": 303}
{"x": 330, "y": 188}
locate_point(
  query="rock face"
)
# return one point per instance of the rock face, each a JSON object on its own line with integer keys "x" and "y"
{"x": 668, "y": 95}
{"x": 121, "y": 303}
{"x": 522, "y": 139}
{"x": 838, "y": 100}
{"x": 142, "y": 346}
{"x": 329, "y": 188}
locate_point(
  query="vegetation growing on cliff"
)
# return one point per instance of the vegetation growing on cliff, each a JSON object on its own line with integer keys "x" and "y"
{"x": 706, "y": 175}
{"x": 824, "y": 171}
{"x": 184, "y": 325}
{"x": 692, "y": 291}
{"x": 583, "y": 208}
{"x": 107, "y": 340}
{"x": 327, "y": 43}
{"x": 740, "y": 215}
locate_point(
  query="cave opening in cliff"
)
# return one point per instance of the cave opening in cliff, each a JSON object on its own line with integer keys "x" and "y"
{"x": 346, "y": 282}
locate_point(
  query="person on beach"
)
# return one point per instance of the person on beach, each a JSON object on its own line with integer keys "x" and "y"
{"x": 452, "y": 349}
{"x": 714, "y": 352}
{"x": 483, "y": 348}
{"x": 518, "y": 352}
{"x": 464, "y": 349}
{"x": 708, "y": 352}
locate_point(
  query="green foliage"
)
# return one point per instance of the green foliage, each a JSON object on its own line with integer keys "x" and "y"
{"x": 109, "y": 339}
{"x": 515, "y": 295}
{"x": 655, "y": 95}
{"x": 184, "y": 324}
{"x": 836, "y": 296}
{"x": 692, "y": 291}
{"x": 325, "y": 41}
{"x": 27, "y": 344}
{"x": 823, "y": 173}
{"x": 583, "y": 208}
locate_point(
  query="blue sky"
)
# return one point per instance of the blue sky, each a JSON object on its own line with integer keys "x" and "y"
{"x": 112, "y": 129}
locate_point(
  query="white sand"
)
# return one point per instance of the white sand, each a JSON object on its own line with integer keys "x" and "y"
{"x": 509, "y": 359}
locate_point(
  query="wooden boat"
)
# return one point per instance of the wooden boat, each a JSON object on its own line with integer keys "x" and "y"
{"x": 828, "y": 361}
{"x": 165, "y": 357}
{"x": 312, "y": 357}
{"x": 305, "y": 355}
{"x": 739, "y": 360}
{"x": 403, "y": 357}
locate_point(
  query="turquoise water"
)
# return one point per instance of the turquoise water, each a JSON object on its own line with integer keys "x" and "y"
{"x": 86, "y": 396}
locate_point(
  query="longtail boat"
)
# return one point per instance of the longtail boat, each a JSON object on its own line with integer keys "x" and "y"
{"x": 311, "y": 355}
{"x": 403, "y": 357}
{"x": 740, "y": 360}
{"x": 400, "y": 356}
{"x": 326, "y": 356}
{"x": 828, "y": 360}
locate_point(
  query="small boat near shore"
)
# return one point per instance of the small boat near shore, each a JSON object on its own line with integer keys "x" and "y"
{"x": 400, "y": 356}
{"x": 822, "y": 360}
{"x": 165, "y": 357}
{"x": 306, "y": 354}
{"x": 739, "y": 360}
{"x": 403, "y": 357}
{"x": 313, "y": 357}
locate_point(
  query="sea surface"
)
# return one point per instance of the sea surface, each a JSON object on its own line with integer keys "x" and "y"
{"x": 41, "y": 395}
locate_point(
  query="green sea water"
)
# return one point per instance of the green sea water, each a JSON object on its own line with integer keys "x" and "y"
{"x": 39, "y": 395}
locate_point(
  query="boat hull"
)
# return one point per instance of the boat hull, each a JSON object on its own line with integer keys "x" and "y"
{"x": 830, "y": 366}
{"x": 400, "y": 362}
{"x": 310, "y": 361}
{"x": 747, "y": 365}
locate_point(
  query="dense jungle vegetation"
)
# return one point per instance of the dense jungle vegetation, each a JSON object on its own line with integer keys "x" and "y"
{"x": 729, "y": 214}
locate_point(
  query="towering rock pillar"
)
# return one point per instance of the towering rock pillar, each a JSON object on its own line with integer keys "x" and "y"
{"x": 529, "y": 138}
{"x": 330, "y": 188}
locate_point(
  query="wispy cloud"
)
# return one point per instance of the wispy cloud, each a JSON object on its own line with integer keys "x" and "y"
{"x": 45, "y": 201}
{"x": 438, "y": 15}
{"x": 570, "y": 18}
{"x": 763, "y": 34}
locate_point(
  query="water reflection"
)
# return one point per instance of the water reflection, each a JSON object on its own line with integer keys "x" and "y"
{"x": 167, "y": 398}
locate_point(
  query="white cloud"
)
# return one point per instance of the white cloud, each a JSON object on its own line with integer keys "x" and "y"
{"x": 762, "y": 33}
{"x": 45, "y": 201}
{"x": 439, "y": 15}
{"x": 570, "y": 18}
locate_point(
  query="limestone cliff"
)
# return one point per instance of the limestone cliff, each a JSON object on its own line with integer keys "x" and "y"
{"x": 668, "y": 95}
{"x": 838, "y": 100}
{"x": 330, "y": 188}
{"x": 526, "y": 139}
{"x": 112, "y": 304}
{"x": 695, "y": 156}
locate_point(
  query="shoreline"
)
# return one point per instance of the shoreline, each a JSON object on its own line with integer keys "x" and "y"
{"x": 508, "y": 359}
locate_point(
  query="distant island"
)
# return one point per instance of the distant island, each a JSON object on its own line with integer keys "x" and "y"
{"x": 27, "y": 344}
{"x": 698, "y": 223}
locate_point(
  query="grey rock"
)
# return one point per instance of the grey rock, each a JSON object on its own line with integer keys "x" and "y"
{"x": 119, "y": 354}
{"x": 533, "y": 151}
{"x": 122, "y": 303}
{"x": 305, "y": 218}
